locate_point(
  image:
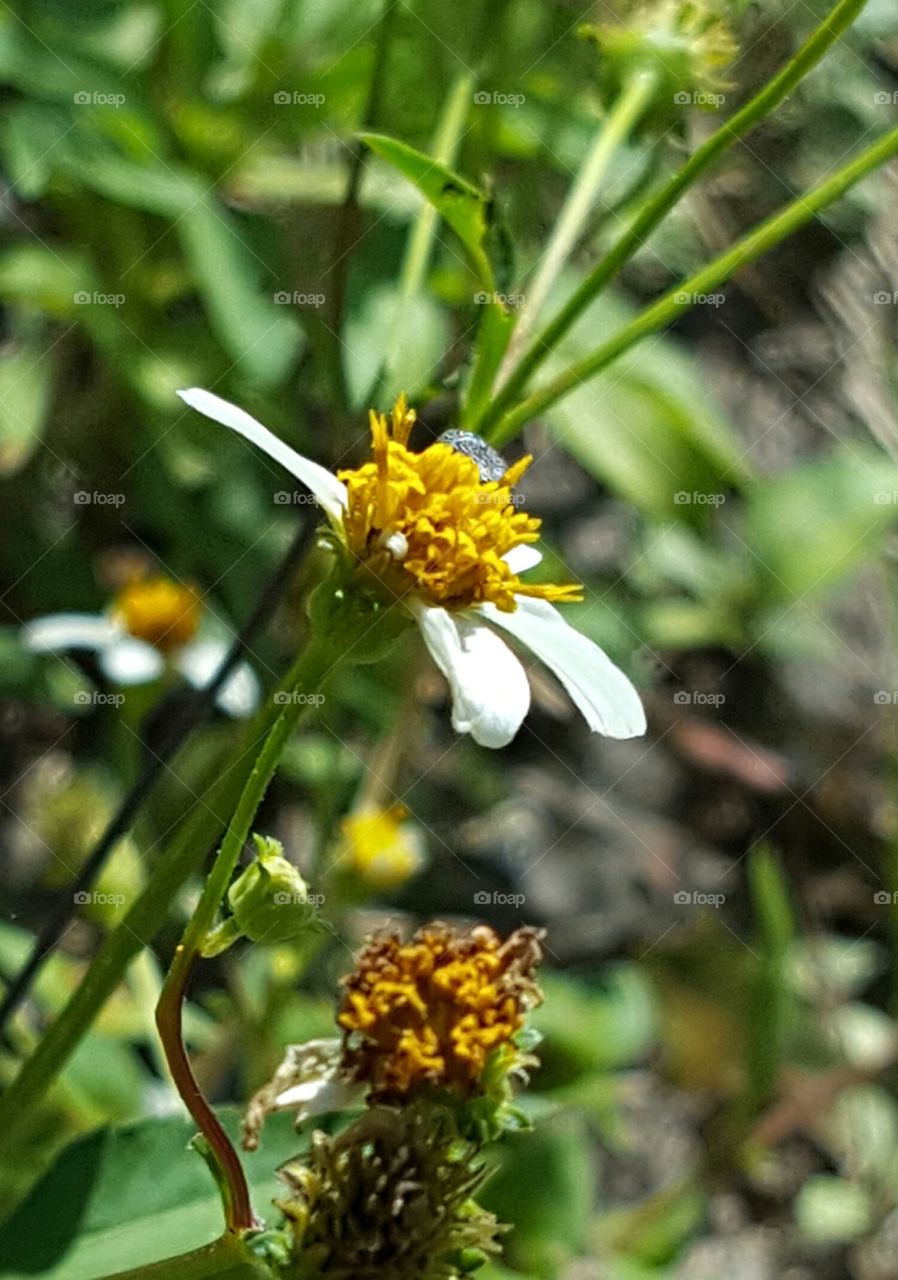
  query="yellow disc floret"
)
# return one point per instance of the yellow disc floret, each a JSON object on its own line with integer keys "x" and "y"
{"x": 426, "y": 523}
{"x": 430, "y": 1011}
{"x": 160, "y": 611}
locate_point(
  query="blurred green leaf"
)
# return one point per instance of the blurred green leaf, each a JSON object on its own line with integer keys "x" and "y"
{"x": 121, "y": 1198}
{"x": 809, "y": 526}
{"x": 466, "y": 209}
{"x": 544, "y": 1188}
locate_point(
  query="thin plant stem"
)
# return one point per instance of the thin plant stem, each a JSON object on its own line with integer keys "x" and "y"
{"x": 420, "y": 242}
{"x": 656, "y": 208}
{"x": 581, "y": 199}
{"x": 681, "y": 298}
{"x": 176, "y": 731}
{"x": 224, "y": 1259}
{"x": 312, "y": 668}
{"x": 183, "y": 857}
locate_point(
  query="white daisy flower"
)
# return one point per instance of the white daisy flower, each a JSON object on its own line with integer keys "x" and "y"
{"x": 449, "y": 546}
{"x": 154, "y": 622}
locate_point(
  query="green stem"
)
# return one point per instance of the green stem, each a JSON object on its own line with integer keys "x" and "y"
{"x": 420, "y": 242}
{"x": 315, "y": 664}
{"x": 614, "y": 130}
{"x": 655, "y": 209}
{"x": 225, "y": 1259}
{"x": 182, "y": 858}
{"x": 751, "y": 247}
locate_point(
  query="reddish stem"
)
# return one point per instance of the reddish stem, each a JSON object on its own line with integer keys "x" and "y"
{"x": 169, "y": 1012}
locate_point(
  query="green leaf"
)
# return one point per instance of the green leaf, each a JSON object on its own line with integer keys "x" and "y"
{"x": 127, "y": 1197}
{"x": 261, "y": 336}
{"x": 24, "y": 398}
{"x": 647, "y": 428}
{"x": 589, "y": 1029}
{"x": 544, "y": 1189}
{"x": 466, "y": 208}
{"x": 809, "y": 526}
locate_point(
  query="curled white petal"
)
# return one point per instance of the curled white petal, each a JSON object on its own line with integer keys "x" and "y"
{"x": 520, "y": 559}
{"x": 58, "y": 632}
{"x": 308, "y": 1082}
{"x": 330, "y": 492}
{"x": 602, "y": 693}
{"x": 198, "y": 663}
{"x": 131, "y": 661}
{"x": 490, "y": 693}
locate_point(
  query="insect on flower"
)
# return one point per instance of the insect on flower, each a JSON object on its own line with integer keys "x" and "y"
{"x": 448, "y": 547}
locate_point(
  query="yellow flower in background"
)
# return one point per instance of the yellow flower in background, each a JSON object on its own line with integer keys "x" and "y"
{"x": 381, "y": 846}
{"x": 429, "y": 1012}
{"x": 160, "y": 611}
{"x": 154, "y": 624}
{"x": 447, "y": 543}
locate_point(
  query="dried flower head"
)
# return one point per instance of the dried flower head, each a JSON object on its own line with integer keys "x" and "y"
{"x": 431, "y": 1011}
{"x": 389, "y": 1196}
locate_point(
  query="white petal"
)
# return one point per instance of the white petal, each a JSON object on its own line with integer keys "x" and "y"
{"x": 490, "y": 693}
{"x": 520, "y": 559}
{"x": 601, "y": 691}
{"x": 60, "y": 631}
{"x": 198, "y": 663}
{"x": 330, "y": 492}
{"x": 131, "y": 661}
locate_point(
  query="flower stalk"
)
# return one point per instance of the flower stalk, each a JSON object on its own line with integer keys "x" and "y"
{"x": 681, "y": 298}
{"x": 613, "y": 132}
{"x": 659, "y": 205}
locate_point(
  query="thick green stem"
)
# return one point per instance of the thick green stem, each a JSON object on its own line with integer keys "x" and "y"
{"x": 581, "y": 199}
{"x": 666, "y": 309}
{"x": 315, "y": 664}
{"x": 225, "y": 1259}
{"x": 663, "y": 201}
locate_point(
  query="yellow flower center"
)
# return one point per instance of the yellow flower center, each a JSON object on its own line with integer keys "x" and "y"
{"x": 430, "y": 1011}
{"x": 380, "y": 846}
{"x": 163, "y": 613}
{"x": 426, "y": 522}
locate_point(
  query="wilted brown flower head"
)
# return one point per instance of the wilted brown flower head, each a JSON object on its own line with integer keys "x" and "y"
{"x": 430, "y": 1011}
{"x": 389, "y": 1196}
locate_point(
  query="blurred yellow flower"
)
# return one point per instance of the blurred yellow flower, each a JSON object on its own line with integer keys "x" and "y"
{"x": 160, "y": 611}
{"x": 381, "y": 846}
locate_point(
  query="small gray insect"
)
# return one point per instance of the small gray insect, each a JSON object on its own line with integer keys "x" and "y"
{"x": 492, "y": 465}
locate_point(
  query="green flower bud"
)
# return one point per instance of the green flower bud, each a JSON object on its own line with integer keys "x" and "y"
{"x": 270, "y": 902}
